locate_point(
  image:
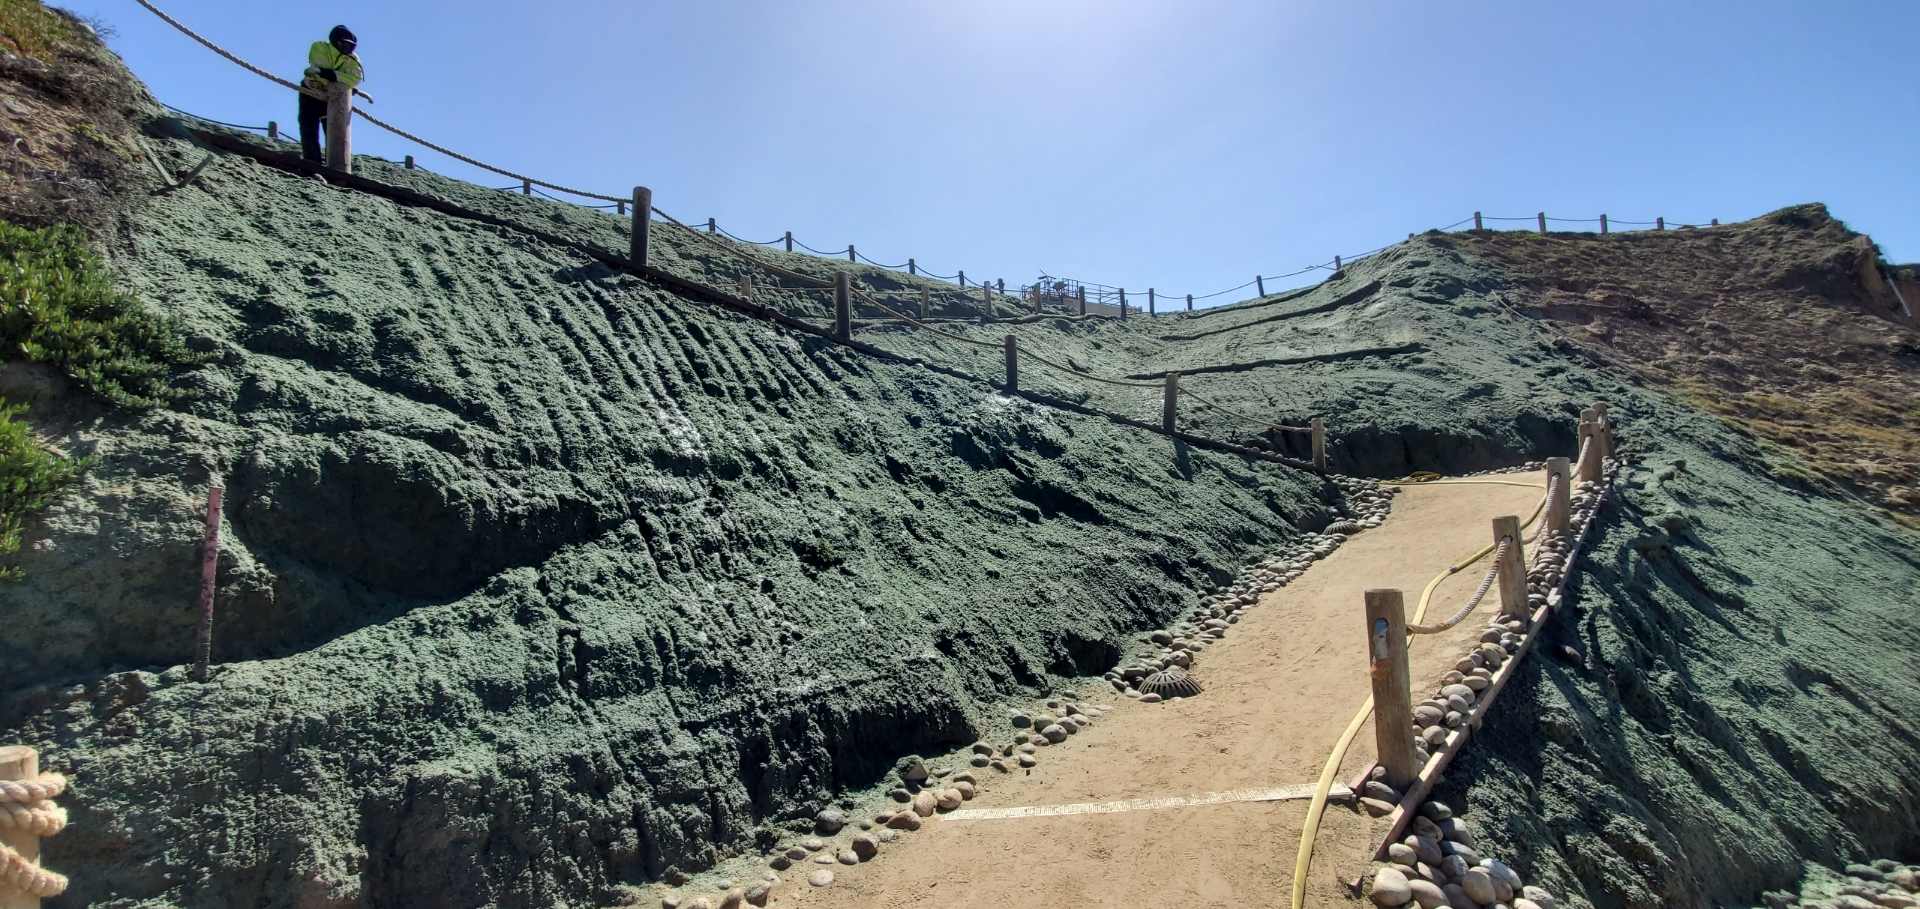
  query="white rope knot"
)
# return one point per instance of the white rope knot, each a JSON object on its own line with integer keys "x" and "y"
{"x": 25, "y": 807}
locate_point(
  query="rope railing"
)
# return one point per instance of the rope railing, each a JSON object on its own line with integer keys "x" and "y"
{"x": 1473, "y": 602}
{"x": 1239, "y": 416}
{"x": 26, "y": 808}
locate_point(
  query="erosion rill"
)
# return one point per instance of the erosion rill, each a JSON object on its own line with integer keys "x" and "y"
{"x": 540, "y": 583}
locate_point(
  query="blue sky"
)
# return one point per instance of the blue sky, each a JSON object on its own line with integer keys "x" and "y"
{"x": 1185, "y": 146}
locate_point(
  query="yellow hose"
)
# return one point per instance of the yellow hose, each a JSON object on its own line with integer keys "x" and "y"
{"x": 1318, "y": 807}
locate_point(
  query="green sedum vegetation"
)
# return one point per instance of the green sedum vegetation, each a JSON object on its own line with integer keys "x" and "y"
{"x": 58, "y": 306}
{"x": 30, "y": 478}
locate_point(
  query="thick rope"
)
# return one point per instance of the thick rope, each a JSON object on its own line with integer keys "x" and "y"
{"x": 1553, "y": 495}
{"x": 1473, "y": 602}
{"x": 366, "y": 116}
{"x": 1087, "y": 375}
{"x": 704, "y": 237}
{"x": 1280, "y": 426}
{"x": 39, "y": 789}
{"x": 41, "y": 819}
{"x": 24, "y": 807}
{"x": 862, "y": 294}
{"x": 18, "y": 873}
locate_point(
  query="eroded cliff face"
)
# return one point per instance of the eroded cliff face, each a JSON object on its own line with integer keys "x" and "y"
{"x": 540, "y": 581}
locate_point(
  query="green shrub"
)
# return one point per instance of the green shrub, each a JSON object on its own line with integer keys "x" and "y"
{"x": 57, "y": 305}
{"x": 30, "y": 478}
{"x": 31, "y": 28}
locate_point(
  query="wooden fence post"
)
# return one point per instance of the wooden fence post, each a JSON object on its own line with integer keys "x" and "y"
{"x": 1392, "y": 687}
{"x": 926, "y": 301}
{"x": 1039, "y": 293}
{"x": 1337, "y": 264}
{"x": 19, "y": 762}
{"x": 1152, "y": 309}
{"x": 912, "y": 269}
{"x": 620, "y": 208}
{"x": 1660, "y": 223}
{"x": 1013, "y": 364}
{"x": 842, "y": 306}
{"x": 526, "y": 187}
{"x": 1169, "y": 402}
{"x": 1543, "y": 223}
{"x": 273, "y": 132}
{"x": 1319, "y": 428}
{"x": 1083, "y": 299}
{"x": 1259, "y": 285}
{"x": 209, "y": 568}
{"x": 1603, "y": 425}
{"x": 986, "y": 300}
{"x": 851, "y": 254}
{"x": 712, "y": 227}
{"x": 1560, "y": 471}
{"x": 1123, "y": 304}
{"x": 1512, "y": 569}
{"x": 408, "y": 163}
{"x": 1476, "y": 222}
{"x": 789, "y": 241}
{"x": 963, "y": 277}
{"x": 746, "y": 288}
{"x": 1590, "y": 463}
{"x": 1603, "y": 224}
{"x": 1189, "y": 302}
{"x": 642, "y": 220}
{"x": 340, "y": 127}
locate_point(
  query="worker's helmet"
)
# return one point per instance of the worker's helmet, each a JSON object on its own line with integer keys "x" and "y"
{"x": 342, "y": 39}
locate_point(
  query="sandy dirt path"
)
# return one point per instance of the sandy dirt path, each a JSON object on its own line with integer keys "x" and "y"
{"x": 1279, "y": 690}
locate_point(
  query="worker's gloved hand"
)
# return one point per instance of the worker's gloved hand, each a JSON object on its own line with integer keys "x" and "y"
{"x": 313, "y": 71}
{"x": 329, "y": 75}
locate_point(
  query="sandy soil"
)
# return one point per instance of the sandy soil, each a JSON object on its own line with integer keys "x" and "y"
{"x": 1279, "y": 690}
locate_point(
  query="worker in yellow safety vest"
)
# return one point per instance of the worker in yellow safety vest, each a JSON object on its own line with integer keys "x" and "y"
{"x": 329, "y": 61}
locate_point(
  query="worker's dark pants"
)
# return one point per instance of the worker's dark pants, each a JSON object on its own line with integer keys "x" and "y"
{"x": 313, "y": 119}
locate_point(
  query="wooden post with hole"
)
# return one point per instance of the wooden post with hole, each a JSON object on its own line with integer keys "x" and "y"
{"x": 1169, "y": 402}
{"x": 1589, "y": 450}
{"x": 1319, "y": 428}
{"x": 1603, "y": 427}
{"x": 842, "y": 306}
{"x": 209, "y": 569}
{"x": 18, "y": 762}
{"x": 642, "y": 220}
{"x": 1512, "y": 569}
{"x": 926, "y": 302}
{"x": 340, "y": 127}
{"x": 1013, "y": 364}
{"x": 1392, "y": 687}
{"x": 1560, "y": 470}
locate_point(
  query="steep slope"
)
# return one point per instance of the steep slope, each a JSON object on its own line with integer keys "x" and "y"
{"x": 541, "y": 581}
